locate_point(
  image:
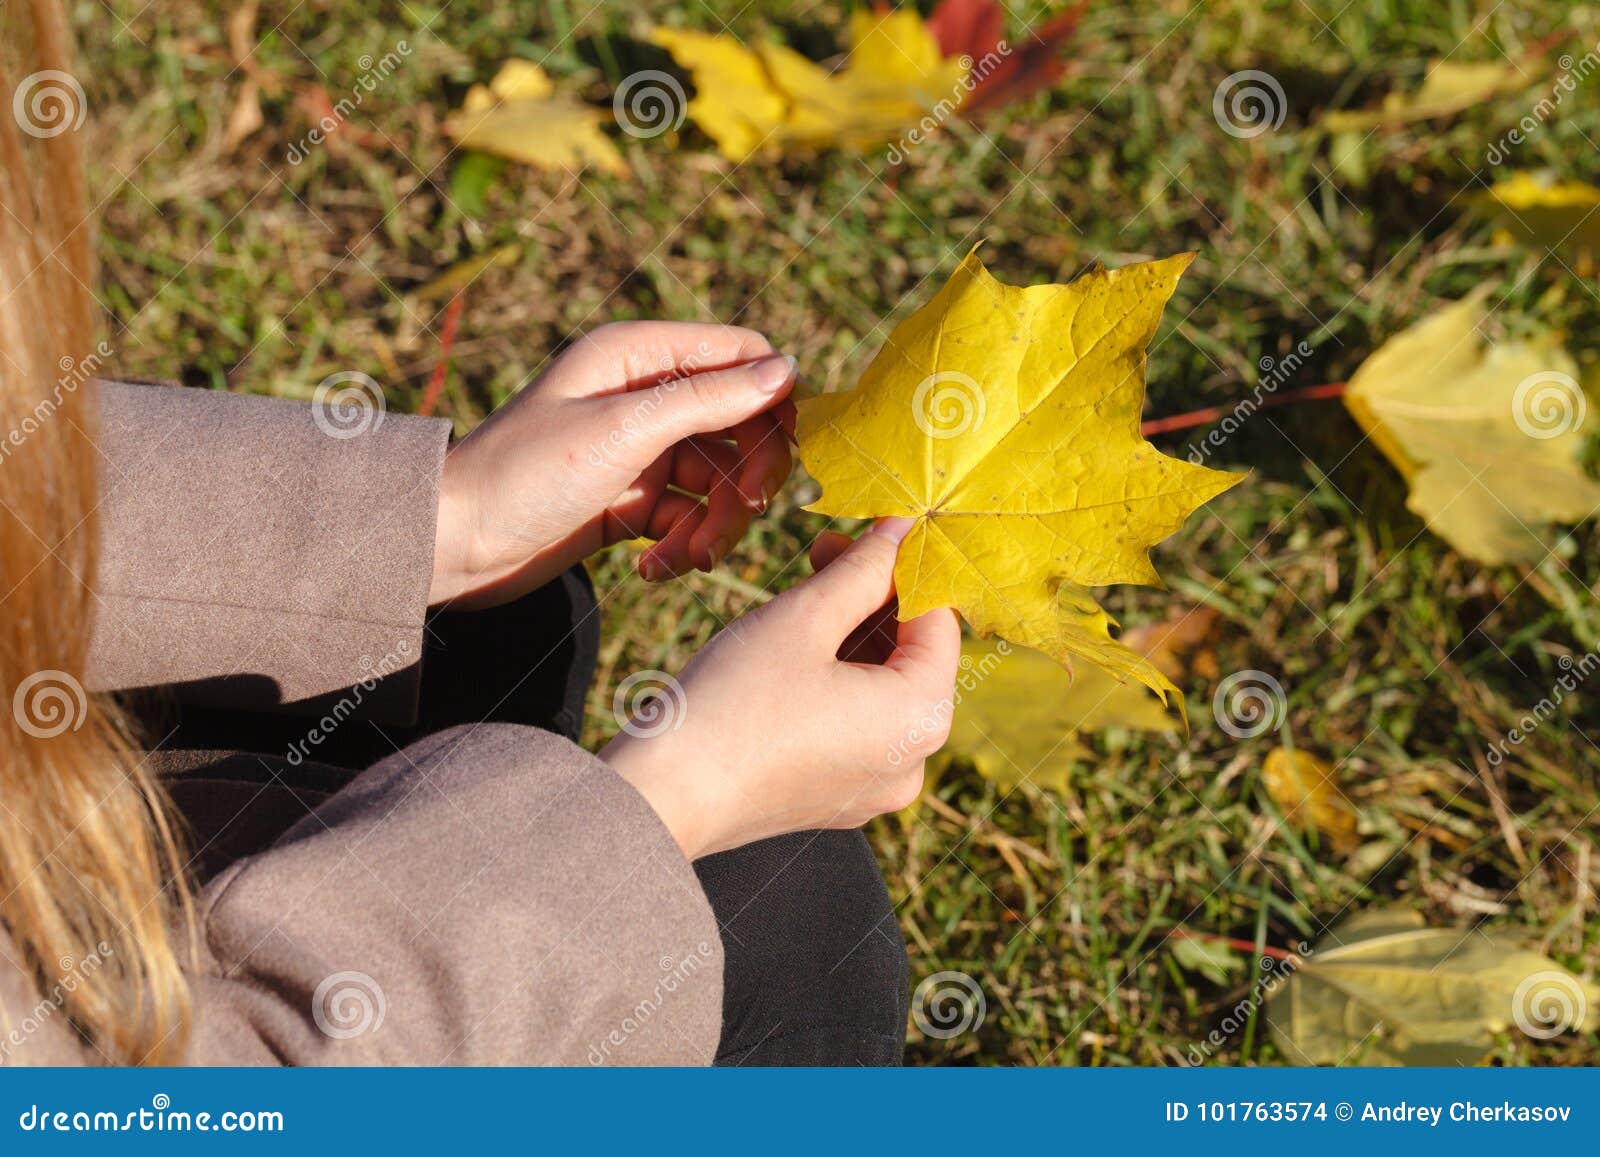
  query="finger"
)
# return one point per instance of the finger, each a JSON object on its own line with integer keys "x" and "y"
{"x": 858, "y": 582}
{"x": 874, "y": 640}
{"x": 648, "y": 351}
{"x": 927, "y": 652}
{"x": 698, "y": 464}
{"x": 764, "y": 459}
{"x": 727, "y": 518}
{"x": 670, "y": 557}
{"x": 648, "y": 421}
{"x": 785, "y": 413}
{"x": 829, "y": 545}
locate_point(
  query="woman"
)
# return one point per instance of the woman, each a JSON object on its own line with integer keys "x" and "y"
{"x": 354, "y": 826}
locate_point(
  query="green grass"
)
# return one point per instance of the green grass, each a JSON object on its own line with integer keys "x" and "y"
{"x": 1402, "y": 662}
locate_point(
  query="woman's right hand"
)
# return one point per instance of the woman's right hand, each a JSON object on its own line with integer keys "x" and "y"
{"x": 775, "y": 733}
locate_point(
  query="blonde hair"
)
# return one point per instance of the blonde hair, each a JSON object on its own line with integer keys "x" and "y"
{"x": 88, "y": 861}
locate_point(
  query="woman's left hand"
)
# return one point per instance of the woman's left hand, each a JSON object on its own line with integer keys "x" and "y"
{"x": 673, "y": 431}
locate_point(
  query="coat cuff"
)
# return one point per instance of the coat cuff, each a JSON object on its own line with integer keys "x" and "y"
{"x": 264, "y": 554}
{"x": 489, "y": 895}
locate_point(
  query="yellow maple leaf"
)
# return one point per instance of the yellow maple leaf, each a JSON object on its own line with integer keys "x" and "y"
{"x": 1017, "y": 715}
{"x": 1005, "y": 420}
{"x": 518, "y": 115}
{"x": 768, "y": 98}
{"x": 1489, "y": 438}
{"x": 1383, "y": 988}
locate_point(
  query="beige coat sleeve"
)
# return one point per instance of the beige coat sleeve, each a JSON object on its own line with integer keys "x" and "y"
{"x": 262, "y": 553}
{"x": 490, "y": 895}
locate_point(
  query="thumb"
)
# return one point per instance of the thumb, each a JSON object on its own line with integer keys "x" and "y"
{"x": 859, "y": 581}
{"x": 658, "y": 417}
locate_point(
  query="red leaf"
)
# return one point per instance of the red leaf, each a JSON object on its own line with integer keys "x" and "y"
{"x": 1026, "y": 68}
{"x": 968, "y": 27}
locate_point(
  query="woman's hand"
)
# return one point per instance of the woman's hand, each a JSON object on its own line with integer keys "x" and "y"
{"x": 781, "y": 727}
{"x": 620, "y": 438}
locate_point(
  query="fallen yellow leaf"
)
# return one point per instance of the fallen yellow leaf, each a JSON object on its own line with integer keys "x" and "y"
{"x": 1555, "y": 214}
{"x": 1384, "y": 989}
{"x": 1018, "y": 715}
{"x": 1005, "y": 421}
{"x": 519, "y": 116}
{"x": 1489, "y": 439}
{"x": 1450, "y": 87}
{"x": 767, "y": 98}
{"x": 1307, "y": 792}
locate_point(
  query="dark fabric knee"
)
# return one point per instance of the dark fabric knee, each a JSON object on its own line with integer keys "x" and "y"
{"x": 816, "y": 970}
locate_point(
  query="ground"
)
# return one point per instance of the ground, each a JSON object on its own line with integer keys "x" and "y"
{"x": 231, "y": 264}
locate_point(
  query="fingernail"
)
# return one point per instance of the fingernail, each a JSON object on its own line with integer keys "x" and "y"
{"x": 894, "y": 529}
{"x": 773, "y": 373}
{"x": 718, "y": 552}
{"x": 649, "y": 568}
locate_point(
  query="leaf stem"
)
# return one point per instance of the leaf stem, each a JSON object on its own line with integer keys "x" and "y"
{"x": 1236, "y": 944}
{"x": 1212, "y": 413}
